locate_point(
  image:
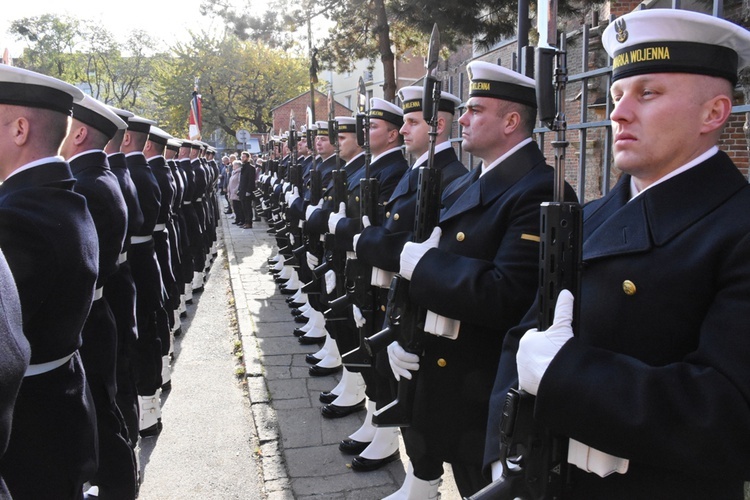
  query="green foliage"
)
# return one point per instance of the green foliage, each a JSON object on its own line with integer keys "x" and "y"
{"x": 239, "y": 81}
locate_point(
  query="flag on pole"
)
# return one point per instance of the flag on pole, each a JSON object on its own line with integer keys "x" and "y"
{"x": 6, "y": 57}
{"x": 196, "y": 115}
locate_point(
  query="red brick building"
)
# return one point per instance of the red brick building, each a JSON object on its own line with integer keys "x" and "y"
{"x": 299, "y": 106}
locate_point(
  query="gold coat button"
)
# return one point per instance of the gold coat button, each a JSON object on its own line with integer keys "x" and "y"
{"x": 460, "y": 236}
{"x": 356, "y": 198}
{"x": 387, "y": 215}
{"x": 395, "y": 216}
{"x": 441, "y": 363}
{"x": 628, "y": 287}
{"x": 382, "y": 308}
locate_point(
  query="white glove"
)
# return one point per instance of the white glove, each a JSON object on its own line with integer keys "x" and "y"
{"x": 401, "y": 361}
{"x": 536, "y": 349}
{"x": 497, "y": 470}
{"x": 412, "y": 252}
{"x": 330, "y": 281}
{"x": 311, "y": 208}
{"x": 285, "y": 185}
{"x": 335, "y": 217}
{"x": 291, "y": 239}
{"x": 359, "y": 319}
{"x": 365, "y": 224}
{"x": 312, "y": 260}
{"x": 292, "y": 195}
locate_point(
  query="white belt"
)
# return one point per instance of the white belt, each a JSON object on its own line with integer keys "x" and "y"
{"x": 160, "y": 227}
{"x": 187, "y": 202}
{"x": 134, "y": 240}
{"x": 122, "y": 258}
{"x": 98, "y": 293}
{"x": 46, "y": 367}
{"x": 199, "y": 199}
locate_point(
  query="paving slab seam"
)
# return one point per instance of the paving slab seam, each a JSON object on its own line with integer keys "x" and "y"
{"x": 273, "y": 465}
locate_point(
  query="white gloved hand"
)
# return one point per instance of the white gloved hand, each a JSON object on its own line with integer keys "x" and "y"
{"x": 292, "y": 195}
{"x": 359, "y": 319}
{"x": 497, "y": 470}
{"x": 335, "y": 217}
{"x": 312, "y": 260}
{"x": 401, "y": 361}
{"x": 285, "y": 185}
{"x": 365, "y": 224}
{"x": 330, "y": 281}
{"x": 413, "y": 252}
{"x": 291, "y": 239}
{"x": 536, "y": 349}
{"x": 311, "y": 208}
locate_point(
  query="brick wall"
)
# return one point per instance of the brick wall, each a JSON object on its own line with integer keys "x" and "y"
{"x": 299, "y": 104}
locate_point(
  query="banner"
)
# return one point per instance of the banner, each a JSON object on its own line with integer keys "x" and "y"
{"x": 196, "y": 117}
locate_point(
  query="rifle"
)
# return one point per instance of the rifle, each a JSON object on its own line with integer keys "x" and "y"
{"x": 534, "y": 459}
{"x": 357, "y": 275}
{"x": 405, "y": 319}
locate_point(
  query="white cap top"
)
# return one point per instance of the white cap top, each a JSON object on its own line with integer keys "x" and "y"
{"x": 21, "y": 87}
{"x": 492, "y": 80}
{"x": 98, "y": 115}
{"x": 411, "y": 97}
{"x": 676, "y": 41}
{"x": 383, "y": 110}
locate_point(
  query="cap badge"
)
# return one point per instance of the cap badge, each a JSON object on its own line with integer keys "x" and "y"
{"x": 621, "y": 29}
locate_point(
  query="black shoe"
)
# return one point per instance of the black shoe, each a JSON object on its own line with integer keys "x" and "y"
{"x": 334, "y": 411}
{"x": 318, "y": 371}
{"x": 362, "y": 464}
{"x": 281, "y": 281}
{"x": 154, "y": 430}
{"x": 227, "y": 212}
{"x": 298, "y": 332}
{"x": 301, "y": 319}
{"x": 352, "y": 446}
{"x": 178, "y": 332}
{"x": 167, "y": 387}
{"x": 305, "y": 340}
{"x": 291, "y": 303}
{"x": 296, "y": 311}
{"x": 288, "y": 291}
{"x": 312, "y": 360}
{"x": 327, "y": 397}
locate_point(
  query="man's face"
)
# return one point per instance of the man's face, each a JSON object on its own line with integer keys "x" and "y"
{"x": 481, "y": 122}
{"x": 656, "y": 124}
{"x": 379, "y": 133}
{"x": 323, "y": 146}
{"x": 245, "y": 158}
{"x": 348, "y": 147}
{"x": 416, "y": 133}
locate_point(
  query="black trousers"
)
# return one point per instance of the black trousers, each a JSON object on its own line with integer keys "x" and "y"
{"x": 247, "y": 208}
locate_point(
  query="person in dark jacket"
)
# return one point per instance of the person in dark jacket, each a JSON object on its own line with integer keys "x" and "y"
{"x": 49, "y": 240}
{"x": 651, "y": 385}
{"x": 247, "y": 189}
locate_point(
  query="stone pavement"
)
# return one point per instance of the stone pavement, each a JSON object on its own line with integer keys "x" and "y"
{"x": 299, "y": 448}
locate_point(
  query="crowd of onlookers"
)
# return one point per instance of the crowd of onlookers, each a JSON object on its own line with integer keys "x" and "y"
{"x": 237, "y": 184}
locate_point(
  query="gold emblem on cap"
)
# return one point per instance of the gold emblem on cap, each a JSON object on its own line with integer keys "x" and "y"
{"x": 621, "y": 29}
{"x": 628, "y": 287}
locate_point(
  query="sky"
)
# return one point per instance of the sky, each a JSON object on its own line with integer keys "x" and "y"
{"x": 149, "y": 15}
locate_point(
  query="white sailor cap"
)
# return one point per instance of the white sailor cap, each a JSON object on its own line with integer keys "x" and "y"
{"x": 347, "y": 124}
{"x": 21, "y": 87}
{"x": 492, "y": 80}
{"x": 411, "y": 99}
{"x": 140, "y": 124}
{"x": 186, "y": 143}
{"x": 174, "y": 144}
{"x": 159, "y": 136}
{"x": 98, "y": 115}
{"x": 322, "y": 128}
{"x": 676, "y": 41}
{"x": 384, "y": 110}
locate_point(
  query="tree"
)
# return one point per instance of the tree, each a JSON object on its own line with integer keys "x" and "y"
{"x": 239, "y": 81}
{"x": 51, "y": 44}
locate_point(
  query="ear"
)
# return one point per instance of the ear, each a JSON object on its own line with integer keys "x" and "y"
{"x": 716, "y": 113}
{"x": 512, "y": 121}
{"x": 20, "y": 128}
{"x": 79, "y": 135}
{"x": 126, "y": 139}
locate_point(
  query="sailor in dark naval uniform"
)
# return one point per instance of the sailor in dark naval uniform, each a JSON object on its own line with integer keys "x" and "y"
{"x": 380, "y": 246}
{"x": 651, "y": 383}
{"x": 120, "y": 289}
{"x": 50, "y": 242}
{"x": 476, "y": 275}
{"x": 153, "y": 325}
{"x": 94, "y": 124}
